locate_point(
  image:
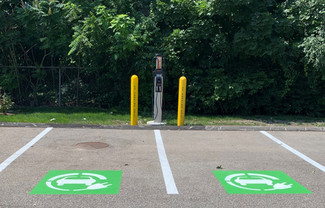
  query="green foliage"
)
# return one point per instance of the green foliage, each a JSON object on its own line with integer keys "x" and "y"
{"x": 247, "y": 56}
{"x": 5, "y": 103}
{"x": 309, "y": 16}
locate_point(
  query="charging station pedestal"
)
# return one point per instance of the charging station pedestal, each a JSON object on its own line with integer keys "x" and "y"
{"x": 158, "y": 93}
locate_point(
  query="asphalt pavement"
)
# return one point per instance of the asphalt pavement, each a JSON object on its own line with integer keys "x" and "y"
{"x": 160, "y": 168}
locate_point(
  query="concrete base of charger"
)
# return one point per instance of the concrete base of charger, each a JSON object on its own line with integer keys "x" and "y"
{"x": 153, "y": 123}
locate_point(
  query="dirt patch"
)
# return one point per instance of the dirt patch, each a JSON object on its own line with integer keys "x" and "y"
{"x": 8, "y": 114}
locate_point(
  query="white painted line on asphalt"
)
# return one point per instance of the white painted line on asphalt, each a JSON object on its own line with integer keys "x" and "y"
{"x": 167, "y": 172}
{"x": 299, "y": 154}
{"x": 23, "y": 149}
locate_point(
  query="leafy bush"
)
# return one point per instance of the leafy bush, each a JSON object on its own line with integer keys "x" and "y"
{"x": 239, "y": 57}
{"x": 5, "y": 103}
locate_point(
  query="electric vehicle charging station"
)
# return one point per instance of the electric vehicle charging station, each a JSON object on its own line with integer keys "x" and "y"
{"x": 158, "y": 92}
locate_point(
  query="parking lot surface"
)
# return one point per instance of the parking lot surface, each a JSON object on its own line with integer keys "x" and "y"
{"x": 160, "y": 168}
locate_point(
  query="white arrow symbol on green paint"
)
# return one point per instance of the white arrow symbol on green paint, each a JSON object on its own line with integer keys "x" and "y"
{"x": 86, "y": 182}
{"x": 244, "y": 182}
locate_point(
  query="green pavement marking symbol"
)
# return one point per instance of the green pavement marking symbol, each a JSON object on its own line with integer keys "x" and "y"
{"x": 79, "y": 182}
{"x": 259, "y": 182}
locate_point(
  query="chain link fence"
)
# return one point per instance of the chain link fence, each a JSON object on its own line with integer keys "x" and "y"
{"x": 50, "y": 86}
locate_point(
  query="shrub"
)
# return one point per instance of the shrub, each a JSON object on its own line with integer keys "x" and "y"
{"x": 5, "y": 103}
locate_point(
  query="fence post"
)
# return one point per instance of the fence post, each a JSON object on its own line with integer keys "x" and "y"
{"x": 60, "y": 93}
{"x": 181, "y": 101}
{"x": 134, "y": 100}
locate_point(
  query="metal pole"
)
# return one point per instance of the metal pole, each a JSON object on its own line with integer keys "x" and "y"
{"x": 134, "y": 100}
{"x": 60, "y": 86}
{"x": 158, "y": 97}
{"x": 181, "y": 101}
{"x": 78, "y": 77}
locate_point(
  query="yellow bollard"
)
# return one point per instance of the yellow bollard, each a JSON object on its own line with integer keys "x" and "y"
{"x": 134, "y": 100}
{"x": 181, "y": 101}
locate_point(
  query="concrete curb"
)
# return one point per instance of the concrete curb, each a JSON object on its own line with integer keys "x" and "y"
{"x": 146, "y": 127}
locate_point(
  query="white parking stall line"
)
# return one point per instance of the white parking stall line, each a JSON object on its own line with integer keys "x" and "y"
{"x": 13, "y": 157}
{"x": 299, "y": 154}
{"x": 167, "y": 173}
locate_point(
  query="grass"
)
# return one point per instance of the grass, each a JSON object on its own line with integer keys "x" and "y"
{"x": 66, "y": 115}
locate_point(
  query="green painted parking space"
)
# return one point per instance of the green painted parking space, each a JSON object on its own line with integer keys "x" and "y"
{"x": 259, "y": 182}
{"x": 79, "y": 182}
